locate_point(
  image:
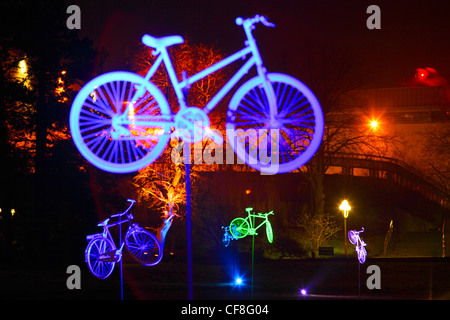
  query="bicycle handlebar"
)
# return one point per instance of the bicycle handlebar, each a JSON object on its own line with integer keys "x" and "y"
{"x": 251, "y": 21}
{"x": 126, "y": 211}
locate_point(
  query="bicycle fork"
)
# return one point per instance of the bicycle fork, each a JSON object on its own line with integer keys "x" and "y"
{"x": 262, "y": 72}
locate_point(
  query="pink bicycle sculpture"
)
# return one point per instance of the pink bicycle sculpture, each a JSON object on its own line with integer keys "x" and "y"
{"x": 355, "y": 239}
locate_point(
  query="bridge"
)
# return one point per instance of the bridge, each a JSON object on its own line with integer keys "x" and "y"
{"x": 390, "y": 169}
{"x": 355, "y": 165}
{"x": 402, "y": 105}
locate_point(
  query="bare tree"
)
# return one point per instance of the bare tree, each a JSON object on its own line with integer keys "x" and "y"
{"x": 333, "y": 75}
{"x": 436, "y": 155}
{"x": 317, "y": 230}
{"x": 162, "y": 185}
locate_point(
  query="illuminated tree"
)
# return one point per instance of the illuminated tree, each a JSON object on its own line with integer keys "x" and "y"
{"x": 37, "y": 155}
{"x": 191, "y": 58}
{"x": 162, "y": 184}
{"x": 161, "y": 189}
{"x": 41, "y": 60}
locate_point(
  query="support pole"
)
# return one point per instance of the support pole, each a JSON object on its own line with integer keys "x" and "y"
{"x": 359, "y": 280}
{"x": 345, "y": 236}
{"x": 121, "y": 260}
{"x": 188, "y": 226}
{"x": 253, "y": 259}
{"x": 187, "y": 162}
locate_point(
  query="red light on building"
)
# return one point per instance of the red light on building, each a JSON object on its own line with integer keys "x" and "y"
{"x": 429, "y": 77}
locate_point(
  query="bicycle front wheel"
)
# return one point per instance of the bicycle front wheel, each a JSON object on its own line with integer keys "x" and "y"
{"x": 143, "y": 246}
{"x": 95, "y": 250}
{"x": 99, "y": 134}
{"x": 275, "y": 143}
{"x": 239, "y": 228}
{"x": 269, "y": 232}
{"x": 352, "y": 237}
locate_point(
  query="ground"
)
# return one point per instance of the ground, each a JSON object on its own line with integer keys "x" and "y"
{"x": 330, "y": 278}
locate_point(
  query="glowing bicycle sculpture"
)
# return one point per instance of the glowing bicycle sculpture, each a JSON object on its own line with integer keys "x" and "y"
{"x": 355, "y": 239}
{"x": 102, "y": 254}
{"x": 227, "y": 236}
{"x": 241, "y": 227}
{"x": 121, "y": 122}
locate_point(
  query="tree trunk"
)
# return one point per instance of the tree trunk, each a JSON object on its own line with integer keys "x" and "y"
{"x": 316, "y": 176}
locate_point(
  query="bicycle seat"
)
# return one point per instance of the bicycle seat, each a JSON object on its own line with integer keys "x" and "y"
{"x": 103, "y": 223}
{"x": 156, "y": 43}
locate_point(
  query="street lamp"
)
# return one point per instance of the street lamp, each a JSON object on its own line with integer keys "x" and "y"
{"x": 345, "y": 208}
{"x": 374, "y": 124}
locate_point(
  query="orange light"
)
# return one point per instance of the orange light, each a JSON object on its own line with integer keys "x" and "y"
{"x": 248, "y": 191}
{"x": 374, "y": 124}
{"x": 345, "y": 208}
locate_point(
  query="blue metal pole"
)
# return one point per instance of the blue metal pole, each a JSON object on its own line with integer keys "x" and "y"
{"x": 121, "y": 266}
{"x": 188, "y": 229}
{"x": 187, "y": 161}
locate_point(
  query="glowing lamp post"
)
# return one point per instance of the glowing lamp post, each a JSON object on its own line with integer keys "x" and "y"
{"x": 345, "y": 208}
{"x": 374, "y": 124}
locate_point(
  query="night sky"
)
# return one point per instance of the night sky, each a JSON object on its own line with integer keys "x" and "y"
{"x": 413, "y": 34}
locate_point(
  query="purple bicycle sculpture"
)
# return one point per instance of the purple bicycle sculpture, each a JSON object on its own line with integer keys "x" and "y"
{"x": 102, "y": 253}
{"x": 355, "y": 239}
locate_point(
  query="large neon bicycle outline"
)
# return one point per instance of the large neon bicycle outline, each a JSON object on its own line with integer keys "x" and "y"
{"x": 241, "y": 227}
{"x": 121, "y": 122}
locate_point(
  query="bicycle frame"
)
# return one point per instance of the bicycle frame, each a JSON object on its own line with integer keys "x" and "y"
{"x": 264, "y": 216}
{"x": 360, "y": 243}
{"x": 116, "y": 253}
{"x": 163, "y": 56}
{"x": 251, "y": 221}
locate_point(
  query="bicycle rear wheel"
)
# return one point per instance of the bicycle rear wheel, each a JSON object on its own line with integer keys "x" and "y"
{"x": 362, "y": 254}
{"x": 95, "y": 249}
{"x": 276, "y": 144}
{"x": 100, "y": 136}
{"x": 239, "y": 228}
{"x": 143, "y": 246}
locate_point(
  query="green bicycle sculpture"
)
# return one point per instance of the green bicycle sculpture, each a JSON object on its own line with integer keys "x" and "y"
{"x": 241, "y": 227}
